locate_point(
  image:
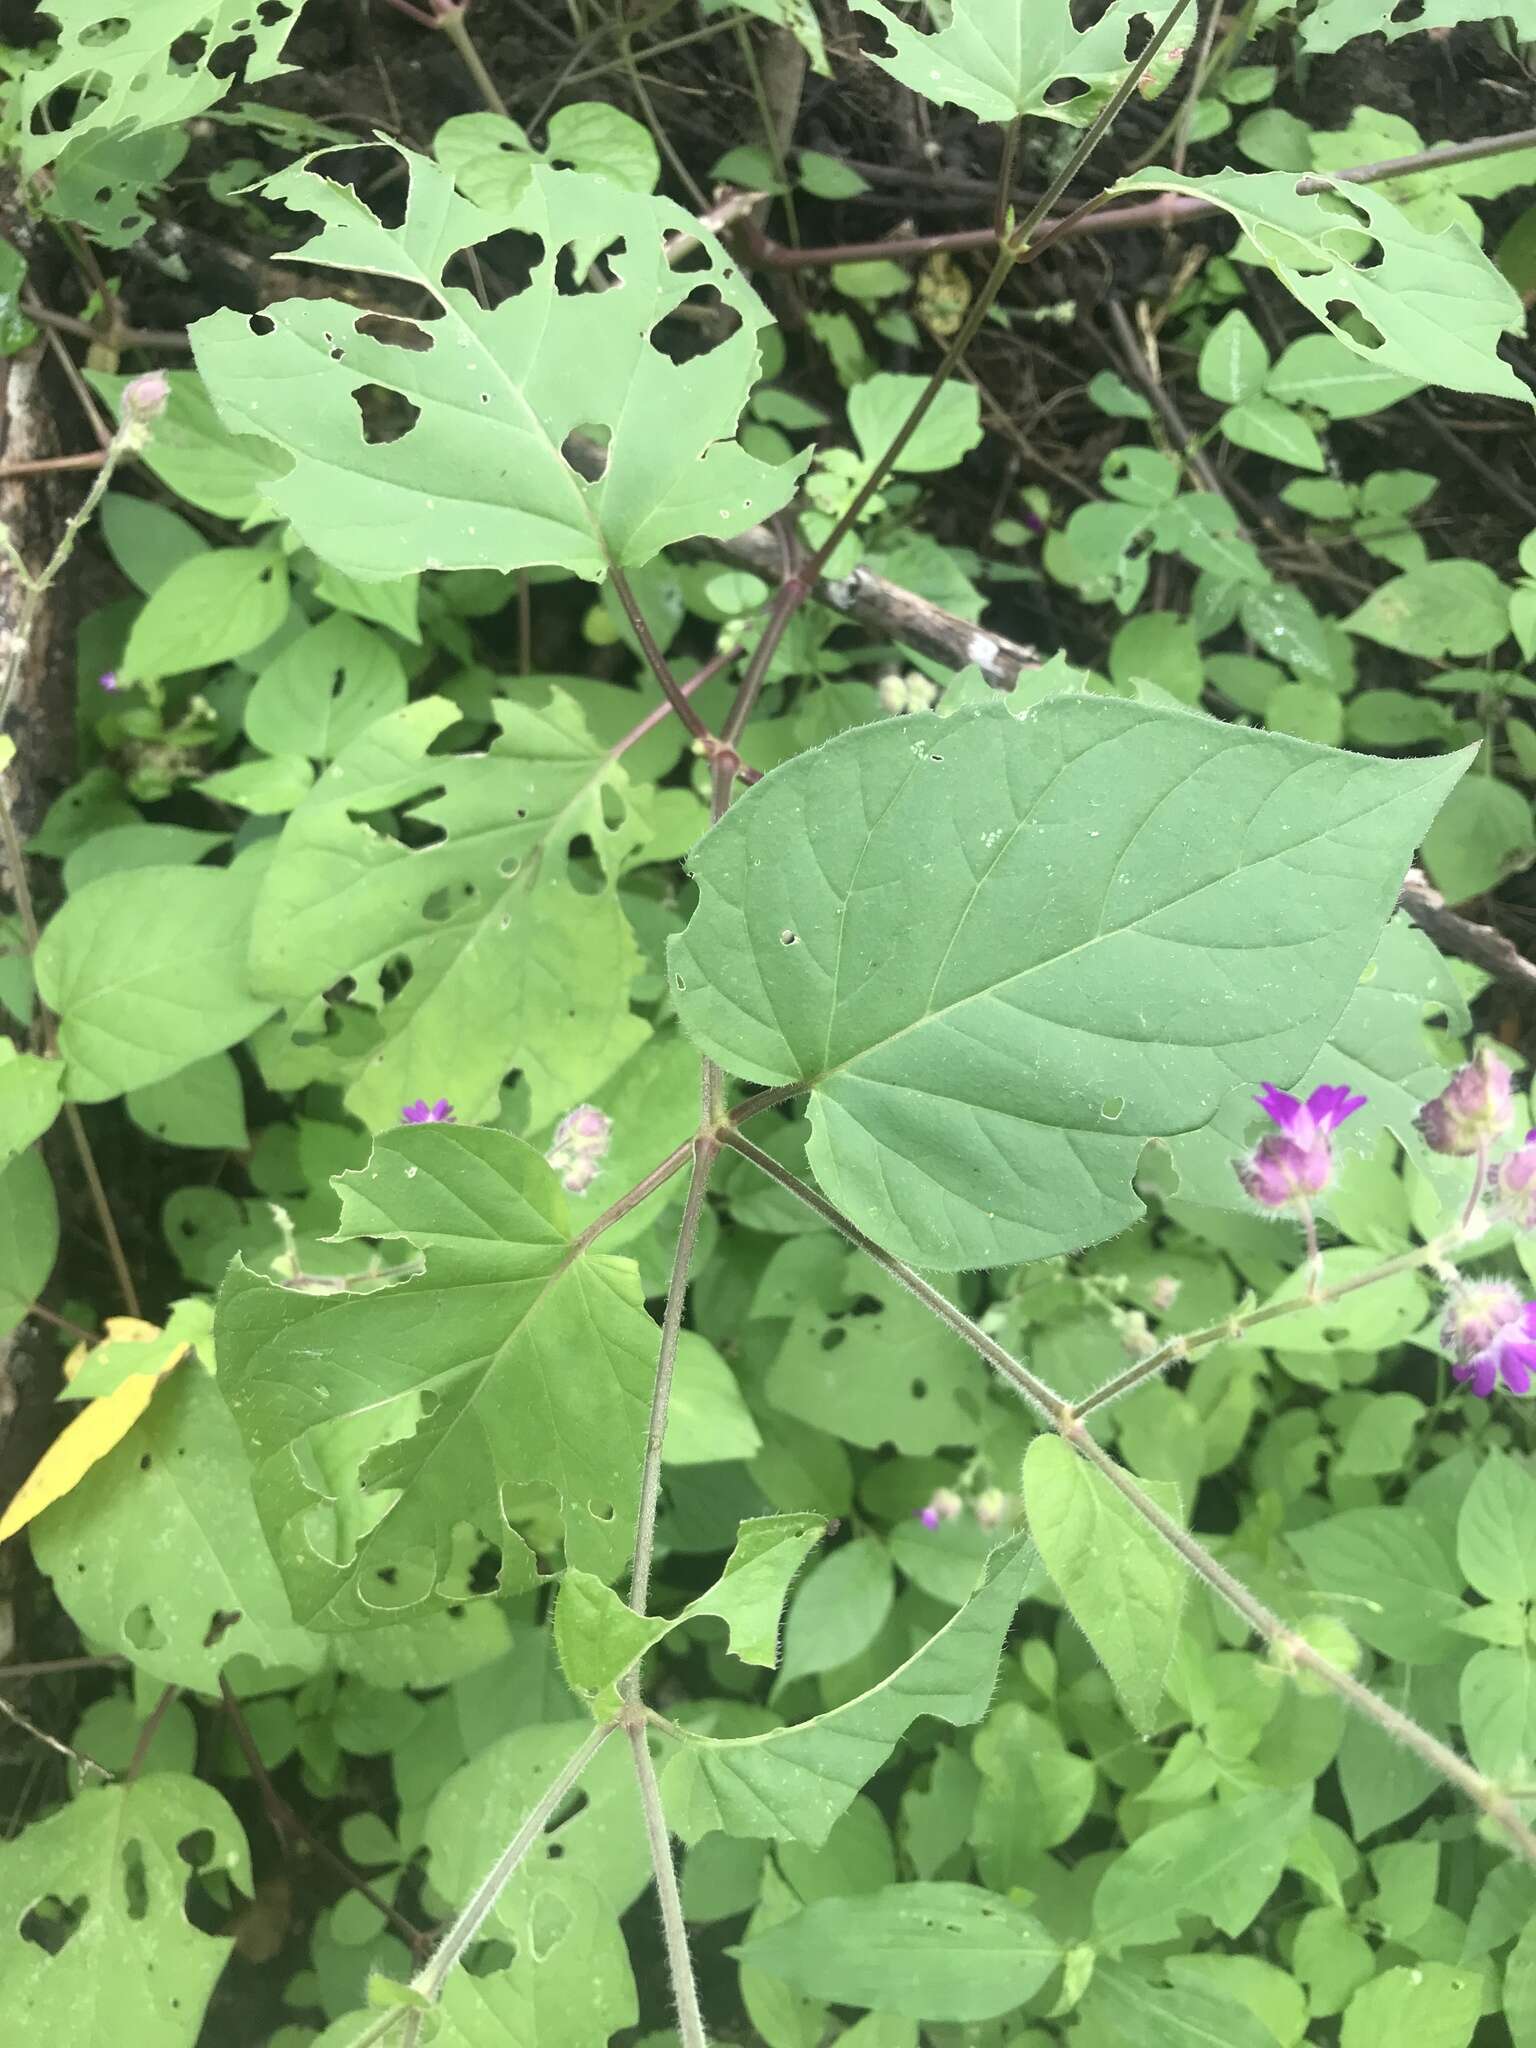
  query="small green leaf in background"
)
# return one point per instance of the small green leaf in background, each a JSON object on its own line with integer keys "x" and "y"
{"x": 1267, "y": 427}
{"x": 114, "y": 1866}
{"x": 879, "y": 406}
{"x": 839, "y": 1609}
{"x": 1456, "y": 609}
{"x": 1387, "y": 1579}
{"x": 202, "y": 1105}
{"x": 1221, "y": 1862}
{"x": 1433, "y": 2005}
{"x": 1496, "y": 1529}
{"x": 146, "y": 972}
{"x": 210, "y": 608}
{"x": 29, "y": 1235}
{"x": 1233, "y": 361}
{"x": 195, "y": 455}
{"x": 16, "y": 330}
{"x": 1122, "y": 1584}
{"x": 324, "y": 690}
{"x": 930, "y": 1951}
{"x": 30, "y": 1091}
{"x": 1321, "y": 370}
{"x": 708, "y": 1420}
{"x": 1486, "y": 832}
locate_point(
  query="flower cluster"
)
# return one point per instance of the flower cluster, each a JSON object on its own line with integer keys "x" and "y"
{"x": 1490, "y": 1333}
{"x": 1471, "y": 1111}
{"x": 991, "y": 1507}
{"x": 1294, "y": 1161}
{"x": 579, "y": 1147}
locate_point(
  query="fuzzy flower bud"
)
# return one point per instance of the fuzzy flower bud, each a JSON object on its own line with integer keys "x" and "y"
{"x": 107, "y": 681}
{"x": 579, "y": 1147}
{"x": 992, "y": 1508}
{"x": 1294, "y": 1161}
{"x": 147, "y": 396}
{"x": 1490, "y": 1332}
{"x": 1165, "y": 1292}
{"x": 1470, "y": 1111}
{"x": 1515, "y": 1180}
{"x": 423, "y": 1112}
{"x": 944, "y": 1505}
{"x": 900, "y": 693}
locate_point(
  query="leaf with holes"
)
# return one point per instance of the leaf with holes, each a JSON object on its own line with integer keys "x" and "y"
{"x": 480, "y": 477}
{"x": 1002, "y": 952}
{"x": 512, "y": 1375}
{"x": 511, "y": 965}
{"x": 1000, "y": 59}
{"x": 102, "y": 1886}
{"x": 324, "y": 690}
{"x": 157, "y": 1554}
{"x": 1337, "y": 22}
{"x": 1432, "y": 305}
{"x": 119, "y": 72}
{"x": 792, "y": 1784}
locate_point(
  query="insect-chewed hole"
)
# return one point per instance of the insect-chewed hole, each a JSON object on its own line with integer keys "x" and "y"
{"x": 262, "y": 323}
{"x": 585, "y": 449}
{"x": 386, "y": 415}
{"x": 394, "y": 332}
{"x": 197, "y": 1848}
{"x": 1063, "y": 90}
{"x": 271, "y": 12}
{"x": 919, "y": 1390}
{"x": 573, "y": 271}
{"x": 1111, "y": 1107}
{"x": 1408, "y": 10}
{"x": 101, "y": 33}
{"x": 187, "y": 50}
{"x": 135, "y": 1883}
{"x": 140, "y": 1629}
{"x": 698, "y": 324}
{"x": 600, "y": 1510}
{"x": 53, "y": 1922}
{"x": 1344, "y": 313}
{"x": 223, "y": 1620}
{"x": 830, "y": 1339}
{"x": 488, "y": 1958}
{"x": 788, "y": 938}
{"x": 230, "y": 58}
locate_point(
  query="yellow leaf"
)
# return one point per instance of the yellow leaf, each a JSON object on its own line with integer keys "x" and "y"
{"x": 99, "y": 1428}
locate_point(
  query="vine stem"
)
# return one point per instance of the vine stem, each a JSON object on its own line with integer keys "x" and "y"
{"x": 453, "y": 25}
{"x": 690, "y": 2020}
{"x": 1070, "y": 1424}
{"x": 1296, "y": 1650}
{"x": 656, "y": 661}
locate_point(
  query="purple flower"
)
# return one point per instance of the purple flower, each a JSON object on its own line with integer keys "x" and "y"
{"x": 1490, "y": 1333}
{"x": 579, "y": 1147}
{"x": 1295, "y": 1160}
{"x": 422, "y": 1112}
{"x": 1515, "y": 1180}
{"x": 107, "y": 681}
{"x": 1472, "y": 1109}
{"x": 943, "y": 1506}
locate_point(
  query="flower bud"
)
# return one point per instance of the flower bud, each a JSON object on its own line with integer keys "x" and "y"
{"x": 1165, "y": 1292}
{"x": 992, "y": 1508}
{"x": 944, "y": 1505}
{"x": 147, "y": 396}
{"x": 579, "y": 1147}
{"x": 1470, "y": 1111}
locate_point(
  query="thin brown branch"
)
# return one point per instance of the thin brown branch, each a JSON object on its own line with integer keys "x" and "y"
{"x": 1452, "y": 933}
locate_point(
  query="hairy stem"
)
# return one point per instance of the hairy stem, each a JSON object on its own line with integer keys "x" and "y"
{"x": 1043, "y": 1398}
{"x": 685, "y": 1991}
{"x": 705, "y": 1151}
{"x": 1296, "y": 1650}
{"x": 656, "y": 661}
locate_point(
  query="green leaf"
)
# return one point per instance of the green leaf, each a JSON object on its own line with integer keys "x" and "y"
{"x": 960, "y": 935}
{"x": 1269, "y": 428}
{"x": 266, "y": 786}
{"x": 1486, "y": 832}
{"x": 878, "y": 409}
{"x": 1496, "y": 1529}
{"x": 1387, "y": 1579}
{"x": 1234, "y": 361}
{"x": 1221, "y": 1862}
{"x": 988, "y": 60}
{"x": 1434, "y": 2005}
{"x": 146, "y": 973}
{"x": 29, "y": 1235}
{"x": 511, "y": 964}
{"x": 595, "y": 1843}
{"x": 926, "y": 1951}
{"x": 828, "y": 177}
{"x": 1122, "y": 1584}
{"x": 1336, "y": 22}
{"x": 30, "y": 1091}
{"x": 708, "y": 1420}
{"x": 147, "y": 541}
{"x": 798, "y": 16}
{"x": 841, "y": 1606}
{"x": 324, "y": 690}
{"x": 210, "y": 608}
{"x": 109, "y": 1872}
{"x": 1520, "y": 1989}
{"x": 891, "y": 1375}
{"x": 203, "y": 1105}
{"x": 194, "y": 455}
{"x": 1498, "y": 1714}
{"x": 1035, "y": 1792}
{"x": 792, "y": 1783}
{"x": 513, "y": 1373}
{"x": 157, "y": 1555}
{"x": 479, "y": 478}
{"x": 599, "y": 1638}
{"x": 1122, "y": 2006}
{"x": 590, "y": 135}
{"x": 1433, "y": 306}
{"x": 1321, "y": 370}
{"x": 1456, "y": 609}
